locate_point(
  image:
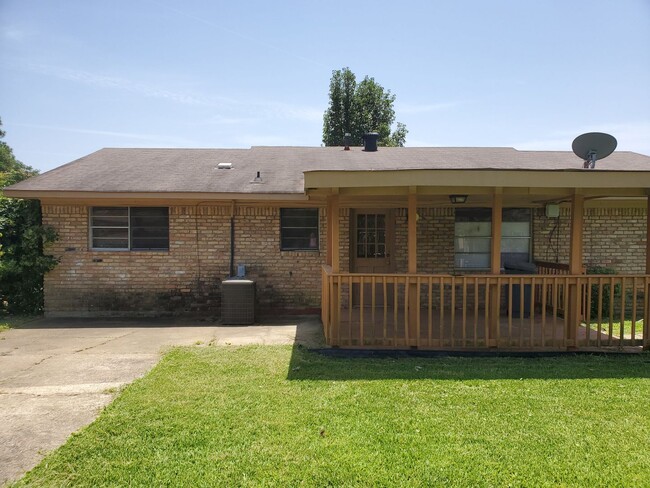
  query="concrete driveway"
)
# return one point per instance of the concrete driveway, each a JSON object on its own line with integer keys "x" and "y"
{"x": 57, "y": 374}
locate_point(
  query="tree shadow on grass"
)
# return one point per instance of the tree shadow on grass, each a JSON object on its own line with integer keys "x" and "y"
{"x": 342, "y": 365}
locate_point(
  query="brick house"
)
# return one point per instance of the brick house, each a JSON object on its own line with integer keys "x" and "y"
{"x": 155, "y": 231}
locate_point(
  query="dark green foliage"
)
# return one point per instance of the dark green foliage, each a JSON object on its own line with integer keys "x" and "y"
{"x": 22, "y": 262}
{"x": 605, "y": 308}
{"x": 357, "y": 108}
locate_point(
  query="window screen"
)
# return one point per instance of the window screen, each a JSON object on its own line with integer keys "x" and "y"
{"x": 299, "y": 228}
{"x": 129, "y": 228}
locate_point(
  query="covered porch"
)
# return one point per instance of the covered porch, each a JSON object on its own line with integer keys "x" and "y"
{"x": 558, "y": 307}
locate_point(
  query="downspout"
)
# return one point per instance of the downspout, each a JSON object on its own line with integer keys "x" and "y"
{"x": 232, "y": 239}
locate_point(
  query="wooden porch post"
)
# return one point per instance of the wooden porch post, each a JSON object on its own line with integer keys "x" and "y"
{"x": 414, "y": 313}
{"x": 495, "y": 266}
{"x": 412, "y": 233}
{"x": 333, "y": 247}
{"x": 330, "y": 221}
{"x": 575, "y": 267}
{"x": 646, "y": 291}
{"x": 647, "y": 237}
{"x": 334, "y": 239}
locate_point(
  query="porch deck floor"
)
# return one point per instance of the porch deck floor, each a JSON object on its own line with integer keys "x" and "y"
{"x": 376, "y": 329}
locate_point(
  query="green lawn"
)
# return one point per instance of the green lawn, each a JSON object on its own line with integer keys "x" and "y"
{"x": 616, "y": 328}
{"x": 282, "y": 416}
{"x": 11, "y": 321}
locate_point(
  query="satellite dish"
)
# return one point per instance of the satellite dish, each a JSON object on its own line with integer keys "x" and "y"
{"x": 592, "y": 146}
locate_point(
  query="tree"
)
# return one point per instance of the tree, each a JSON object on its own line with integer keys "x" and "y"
{"x": 360, "y": 108}
{"x": 22, "y": 237}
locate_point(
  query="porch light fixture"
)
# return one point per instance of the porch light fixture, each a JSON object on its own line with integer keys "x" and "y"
{"x": 457, "y": 199}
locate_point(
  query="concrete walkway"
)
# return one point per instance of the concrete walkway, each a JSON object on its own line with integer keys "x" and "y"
{"x": 57, "y": 374}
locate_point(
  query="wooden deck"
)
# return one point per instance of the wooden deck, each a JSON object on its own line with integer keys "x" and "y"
{"x": 523, "y": 312}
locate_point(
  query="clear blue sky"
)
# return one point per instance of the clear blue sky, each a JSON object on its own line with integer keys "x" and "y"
{"x": 79, "y": 75}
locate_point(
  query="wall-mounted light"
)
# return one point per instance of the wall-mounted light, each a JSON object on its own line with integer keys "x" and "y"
{"x": 455, "y": 199}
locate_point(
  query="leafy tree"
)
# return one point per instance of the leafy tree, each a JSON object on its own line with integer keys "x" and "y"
{"x": 357, "y": 108}
{"x": 22, "y": 262}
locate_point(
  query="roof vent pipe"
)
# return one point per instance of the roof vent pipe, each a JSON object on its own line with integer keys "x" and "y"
{"x": 346, "y": 141}
{"x": 370, "y": 141}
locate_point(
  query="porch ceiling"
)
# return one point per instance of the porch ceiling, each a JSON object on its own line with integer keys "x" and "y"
{"x": 482, "y": 200}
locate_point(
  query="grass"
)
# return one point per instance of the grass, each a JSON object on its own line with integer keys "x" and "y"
{"x": 616, "y": 328}
{"x": 12, "y": 321}
{"x": 282, "y": 416}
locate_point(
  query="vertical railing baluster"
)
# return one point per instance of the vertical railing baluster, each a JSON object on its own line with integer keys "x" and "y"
{"x": 599, "y": 337}
{"x": 385, "y": 307}
{"x": 395, "y": 309}
{"x": 464, "y": 301}
{"x": 588, "y": 314}
{"x": 406, "y": 311}
{"x": 544, "y": 291}
{"x": 555, "y": 293}
{"x": 430, "y": 310}
{"x": 522, "y": 310}
{"x": 611, "y": 310}
{"x": 487, "y": 312}
{"x": 350, "y": 310}
{"x": 418, "y": 312}
{"x": 621, "y": 334}
{"x": 532, "y": 311}
{"x": 510, "y": 306}
{"x": 453, "y": 310}
{"x": 362, "y": 284}
{"x": 373, "y": 300}
{"x": 476, "y": 299}
{"x": 442, "y": 310}
{"x": 567, "y": 313}
{"x": 634, "y": 305}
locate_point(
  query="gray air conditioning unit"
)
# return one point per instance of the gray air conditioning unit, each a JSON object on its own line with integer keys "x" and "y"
{"x": 238, "y": 302}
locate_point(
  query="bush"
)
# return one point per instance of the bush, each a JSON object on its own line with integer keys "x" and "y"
{"x": 605, "y": 308}
{"x": 22, "y": 238}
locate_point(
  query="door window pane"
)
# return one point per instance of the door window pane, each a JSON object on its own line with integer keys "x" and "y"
{"x": 371, "y": 235}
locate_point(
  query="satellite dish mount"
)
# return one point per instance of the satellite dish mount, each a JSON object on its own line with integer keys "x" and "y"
{"x": 593, "y": 146}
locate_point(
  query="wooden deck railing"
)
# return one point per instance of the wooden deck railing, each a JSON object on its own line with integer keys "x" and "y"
{"x": 484, "y": 311}
{"x": 548, "y": 268}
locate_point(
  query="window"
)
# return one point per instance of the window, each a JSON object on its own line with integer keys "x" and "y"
{"x": 371, "y": 235}
{"x": 515, "y": 235}
{"x": 129, "y": 228}
{"x": 299, "y": 229}
{"x": 473, "y": 236}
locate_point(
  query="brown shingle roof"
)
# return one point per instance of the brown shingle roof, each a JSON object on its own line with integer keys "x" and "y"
{"x": 281, "y": 168}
